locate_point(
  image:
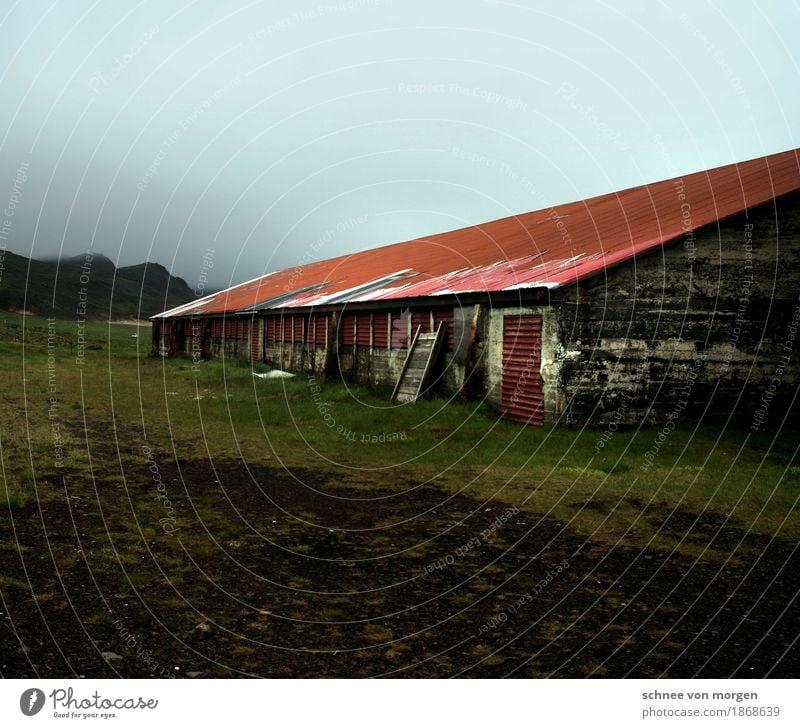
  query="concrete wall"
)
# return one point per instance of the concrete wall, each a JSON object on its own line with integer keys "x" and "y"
{"x": 296, "y": 357}
{"x": 229, "y": 348}
{"x": 698, "y": 329}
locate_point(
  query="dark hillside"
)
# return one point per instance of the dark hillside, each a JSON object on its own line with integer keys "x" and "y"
{"x": 88, "y": 285}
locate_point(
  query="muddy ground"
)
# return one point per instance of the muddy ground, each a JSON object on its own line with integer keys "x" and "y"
{"x": 236, "y": 570}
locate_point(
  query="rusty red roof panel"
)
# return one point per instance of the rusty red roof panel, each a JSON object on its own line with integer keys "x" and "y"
{"x": 547, "y": 248}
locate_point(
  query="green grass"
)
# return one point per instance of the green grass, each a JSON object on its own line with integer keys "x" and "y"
{"x": 220, "y": 410}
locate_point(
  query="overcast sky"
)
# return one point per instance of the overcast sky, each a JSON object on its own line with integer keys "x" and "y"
{"x": 275, "y": 133}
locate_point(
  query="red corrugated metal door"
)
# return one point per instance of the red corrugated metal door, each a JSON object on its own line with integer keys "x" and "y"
{"x": 522, "y": 397}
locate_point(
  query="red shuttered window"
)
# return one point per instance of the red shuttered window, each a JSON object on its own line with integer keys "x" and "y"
{"x": 348, "y": 327}
{"x": 363, "y": 335}
{"x": 445, "y": 317}
{"x": 320, "y": 329}
{"x": 380, "y": 330}
{"x": 297, "y": 329}
{"x": 421, "y": 319}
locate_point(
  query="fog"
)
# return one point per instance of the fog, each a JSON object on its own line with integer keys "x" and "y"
{"x": 274, "y": 133}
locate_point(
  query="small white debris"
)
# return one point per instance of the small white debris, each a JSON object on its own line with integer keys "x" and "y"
{"x": 274, "y": 374}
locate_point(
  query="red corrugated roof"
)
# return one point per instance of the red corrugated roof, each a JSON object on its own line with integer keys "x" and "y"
{"x": 547, "y": 248}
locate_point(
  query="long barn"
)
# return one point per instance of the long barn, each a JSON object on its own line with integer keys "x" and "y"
{"x": 678, "y": 298}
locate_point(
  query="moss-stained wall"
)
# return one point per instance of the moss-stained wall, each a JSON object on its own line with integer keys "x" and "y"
{"x": 698, "y": 329}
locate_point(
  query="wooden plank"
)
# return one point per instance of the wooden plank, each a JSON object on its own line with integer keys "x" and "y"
{"x": 406, "y": 362}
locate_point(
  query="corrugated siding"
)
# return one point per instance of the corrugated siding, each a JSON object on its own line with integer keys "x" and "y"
{"x": 422, "y": 319}
{"x": 363, "y": 331}
{"x": 309, "y": 324}
{"x": 235, "y": 329}
{"x": 522, "y": 396}
{"x": 446, "y": 317}
{"x": 321, "y": 329}
{"x": 348, "y": 326}
{"x": 255, "y": 349}
{"x": 380, "y": 330}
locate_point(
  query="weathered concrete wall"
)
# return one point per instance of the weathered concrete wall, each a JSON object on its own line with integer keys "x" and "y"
{"x": 374, "y": 367}
{"x": 702, "y": 328}
{"x": 229, "y": 348}
{"x": 296, "y": 357}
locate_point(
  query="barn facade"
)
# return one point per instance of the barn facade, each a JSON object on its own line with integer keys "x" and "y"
{"x": 674, "y": 299}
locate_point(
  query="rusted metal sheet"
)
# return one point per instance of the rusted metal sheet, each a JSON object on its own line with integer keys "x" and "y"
{"x": 522, "y": 397}
{"x": 548, "y": 248}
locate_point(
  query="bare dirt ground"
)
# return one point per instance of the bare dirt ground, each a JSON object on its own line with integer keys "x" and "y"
{"x": 235, "y": 570}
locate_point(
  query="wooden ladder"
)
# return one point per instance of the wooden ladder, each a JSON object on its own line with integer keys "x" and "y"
{"x": 422, "y": 356}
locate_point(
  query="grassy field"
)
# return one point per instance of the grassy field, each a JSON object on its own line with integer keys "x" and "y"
{"x": 201, "y": 520}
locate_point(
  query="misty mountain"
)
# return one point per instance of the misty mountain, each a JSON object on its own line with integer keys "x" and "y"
{"x": 88, "y": 285}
